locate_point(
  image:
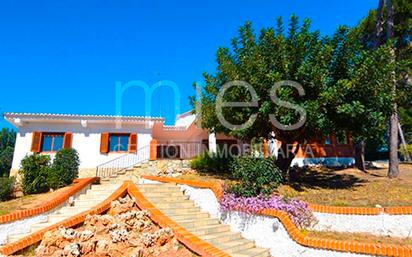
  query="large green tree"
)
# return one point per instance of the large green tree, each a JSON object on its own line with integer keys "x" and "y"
{"x": 359, "y": 93}
{"x": 391, "y": 23}
{"x": 7, "y": 141}
{"x": 332, "y": 71}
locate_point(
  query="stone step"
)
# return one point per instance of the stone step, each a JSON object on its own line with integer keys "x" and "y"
{"x": 189, "y": 224}
{"x": 211, "y": 229}
{"x": 103, "y": 185}
{"x": 88, "y": 197}
{"x": 183, "y": 217}
{"x": 167, "y": 205}
{"x": 72, "y": 210}
{"x": 54, "y": 218}
{"x": 94, "y": 194}
{"x": 97, "y": 194}
{"x": 105, "y": 188}
{"x": 200, "y": 223}
{"x": 236, "y": 245}
{"x": 88, "y": 204}
{"x": 120, "y": 180}
{"x": 100, "y": 191}
{"x": 160, "y": 190}
{"x": 13, "y": 238}
{"x": 253, "y": 252}
{"x": 36, "y": 227}
{"x": 162, "y": 194}
{"x": 186, "y": 210}
{"x": 158, "y": 198}
{"x": 157, "y": 186}
{"x": 222, "y": 237}
{"x": 110, "y": 183}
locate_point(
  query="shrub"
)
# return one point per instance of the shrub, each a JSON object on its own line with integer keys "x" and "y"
{"x": 6, "y": 158}
{"x": 258, "y": 176}
{"x": 64, "y": 169}
{"x": 6, "y": 188}
{"x": 207, "y": 162}
{"x": 35, "y": 169}
{"x": 298, "y": 210}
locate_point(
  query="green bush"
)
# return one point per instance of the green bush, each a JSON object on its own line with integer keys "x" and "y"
{"x": 6, "y": 158}
{"x": 64, "y": 169}
{"x": 34, "y": 169}
{"x": 215, "y": 163}
{"x": 258, "y": 176}
{"x": 6, "y": 188}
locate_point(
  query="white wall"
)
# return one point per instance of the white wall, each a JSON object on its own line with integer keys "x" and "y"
{"x": 85, "y": 140}
{"x": 266, "y": 232}
{"x": 380, "y": 225}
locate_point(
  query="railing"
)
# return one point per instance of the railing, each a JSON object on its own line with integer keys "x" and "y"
{"x": 180, "y": 149}
{"x": 123, "y": 162}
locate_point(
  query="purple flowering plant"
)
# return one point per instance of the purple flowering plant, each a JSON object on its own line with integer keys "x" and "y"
{"x": 297, "y": 210}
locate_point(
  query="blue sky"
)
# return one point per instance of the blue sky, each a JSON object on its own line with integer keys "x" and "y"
{"x": 66, "y": 56}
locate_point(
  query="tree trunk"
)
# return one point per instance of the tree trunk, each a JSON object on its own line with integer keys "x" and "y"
{"x": 379, "y": 24}
{"x": 393, "y": 171}
{"x": 285, "y": 158}
{"x": 360, "y": 155}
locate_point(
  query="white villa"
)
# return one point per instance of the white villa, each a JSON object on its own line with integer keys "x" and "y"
{"x": 100, "y": 139}
{"x": 106, "y": 141}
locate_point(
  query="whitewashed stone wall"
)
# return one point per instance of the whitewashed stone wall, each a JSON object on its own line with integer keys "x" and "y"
{"x": 269, "y": 232}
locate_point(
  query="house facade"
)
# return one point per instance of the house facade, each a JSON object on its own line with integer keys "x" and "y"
{"x": 104, "y": 140}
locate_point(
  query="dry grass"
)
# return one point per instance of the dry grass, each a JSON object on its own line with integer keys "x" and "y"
{"x": 359, "y": 237}
{"x": 345, "y": 187}
{"x": 351, "y": 187}
{"x": 27, "y": 201}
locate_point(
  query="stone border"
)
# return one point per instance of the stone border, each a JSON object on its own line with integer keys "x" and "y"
{"x": 193, "y": 242}
{"x": 299, "y": 237}
{"x": 128, "y": 187}
{"x": 79, "y": 184}
{"x": 401, "y": 210}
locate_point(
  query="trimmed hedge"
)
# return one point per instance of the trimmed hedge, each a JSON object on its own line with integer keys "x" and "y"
{"x": 39, "y": 175}
{"x": 64, "y": 169}
{"x": 35, "y": 169}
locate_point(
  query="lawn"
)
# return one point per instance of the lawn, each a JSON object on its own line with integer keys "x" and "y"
{"x": 28, "y": 201}
{"x": 344, "y": 187}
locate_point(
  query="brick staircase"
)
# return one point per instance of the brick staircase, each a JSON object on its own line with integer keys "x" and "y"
{"x": 133, "y": 173}
{"x": 84, "y": 201}
{"x": 177, "y": 206}
{"x": 171, "y": 201}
